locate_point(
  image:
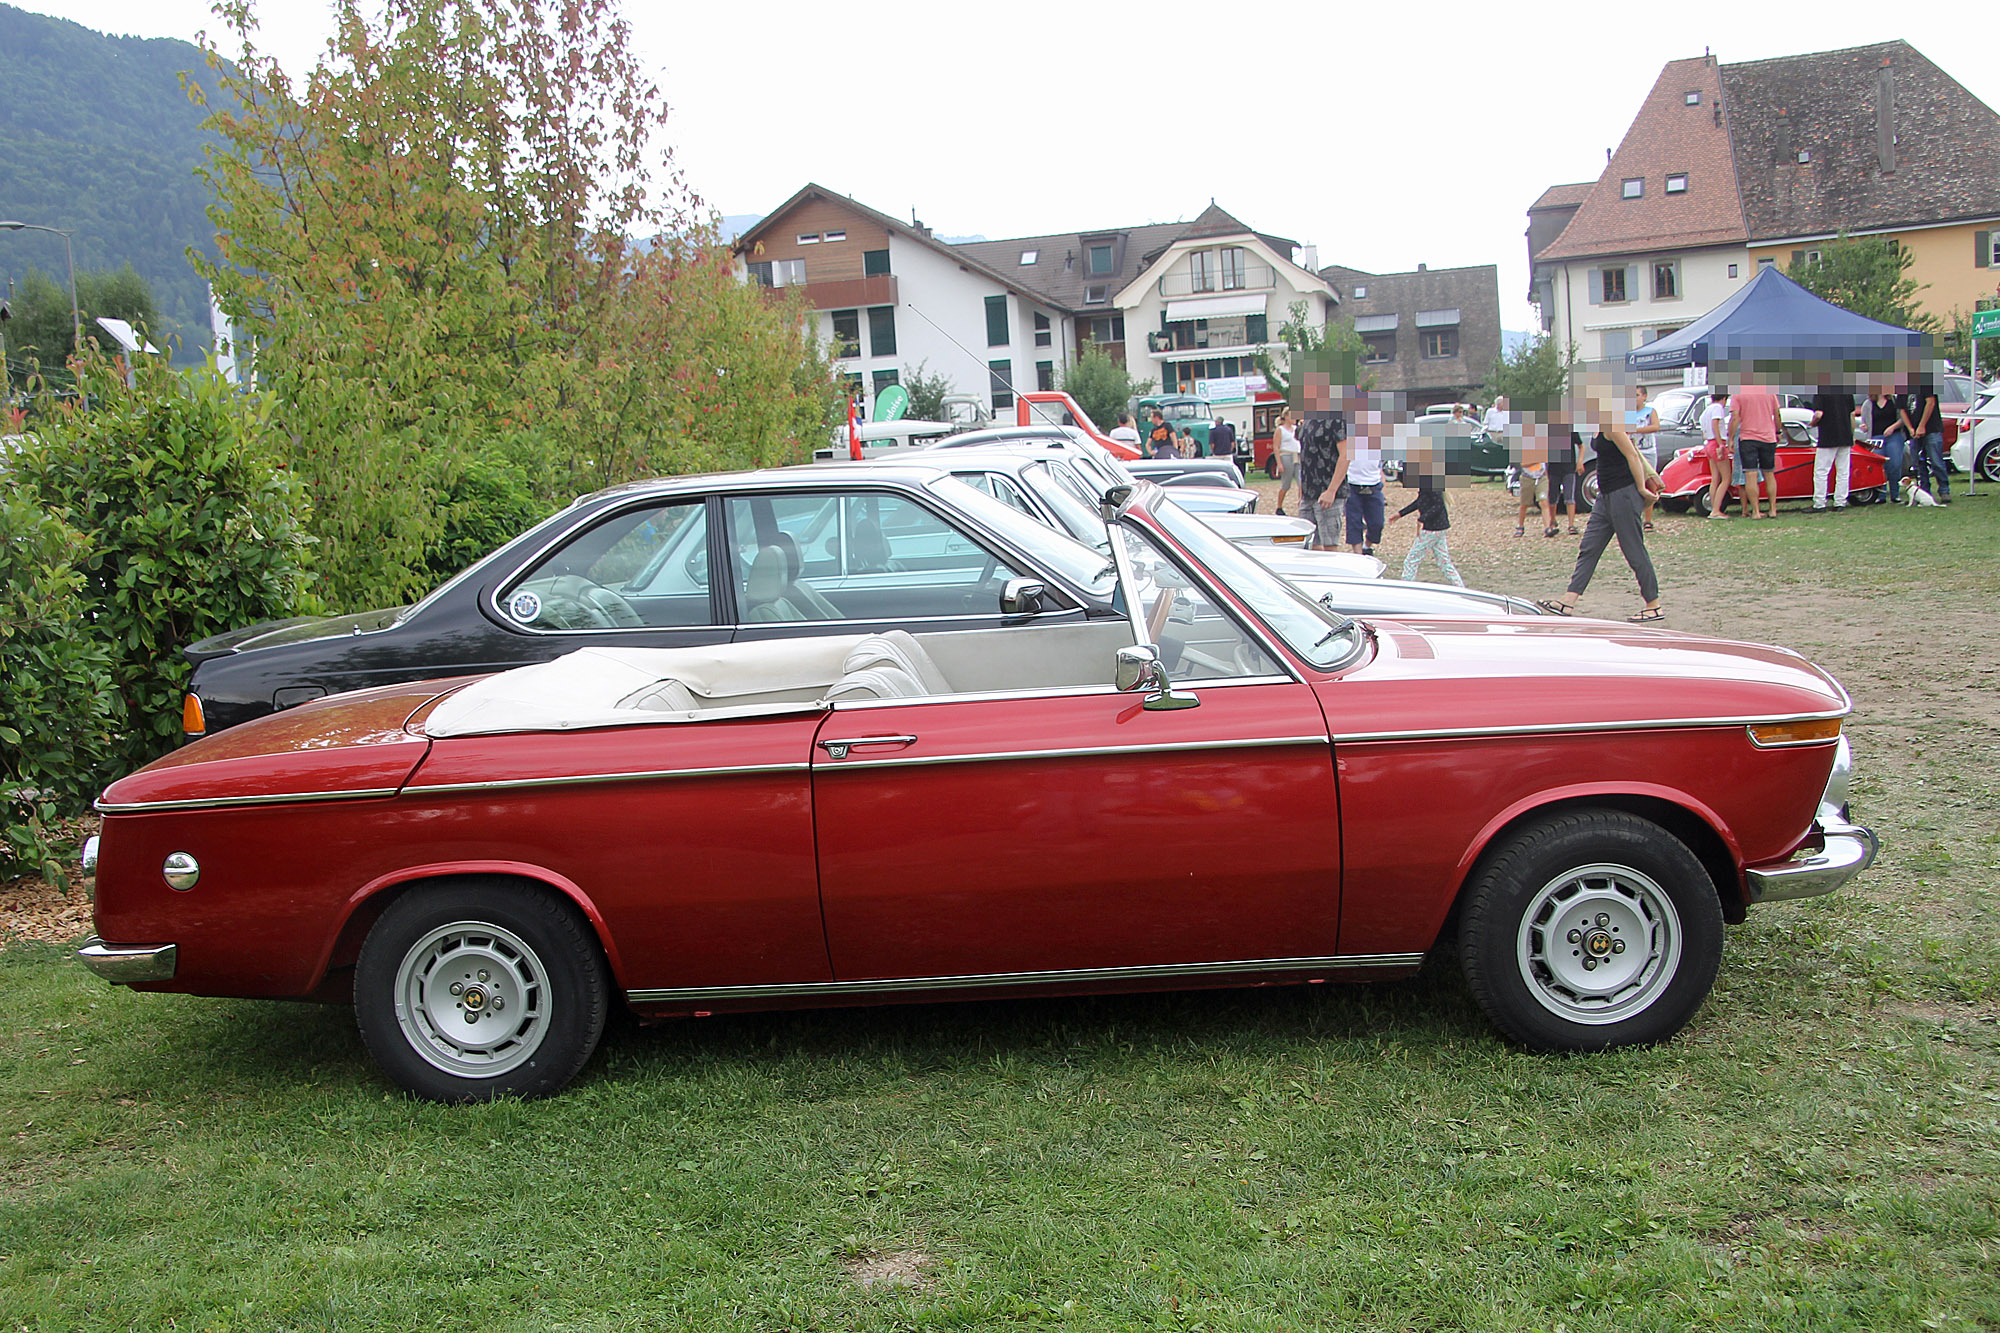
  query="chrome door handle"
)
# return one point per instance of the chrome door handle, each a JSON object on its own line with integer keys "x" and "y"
{"x": 839, "y": 749}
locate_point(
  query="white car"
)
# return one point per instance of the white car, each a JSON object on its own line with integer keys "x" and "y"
{"x": 1979, "y": 436}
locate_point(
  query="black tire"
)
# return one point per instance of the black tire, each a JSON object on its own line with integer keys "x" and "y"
{"x": 1986, "y": 463}
{"x": 1874, "y": 495}
{"x": 504, "y": 945}
{"x": 1701, "y": 505}
{"x": 1586, "y": 488}
{"x": 1590, "y": 931}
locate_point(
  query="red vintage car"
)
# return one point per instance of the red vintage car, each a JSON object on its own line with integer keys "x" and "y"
{"x": 1230, "y": 785}
{"x": 1685, "y": 479}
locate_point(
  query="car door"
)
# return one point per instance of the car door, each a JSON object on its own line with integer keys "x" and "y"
{"x": 1073, "y": 831}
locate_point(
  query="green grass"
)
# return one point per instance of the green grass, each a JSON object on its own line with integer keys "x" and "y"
{"x": 1820, "y": 1150}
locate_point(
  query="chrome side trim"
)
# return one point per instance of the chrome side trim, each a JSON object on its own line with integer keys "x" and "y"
{"x": 1850, "y": 849}
{"x": 1568, "y": 728}
{"x": 587, "y": 779}
{"x": 218, "y": 802}
{"x": 129, "y": 964}
{"x": 981, "y": 980}
{"x": 1051, "y": 692}
{"x": 1080, "y": 751}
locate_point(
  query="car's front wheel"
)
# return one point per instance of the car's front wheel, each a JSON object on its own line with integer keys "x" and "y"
{"x": 1591, "y": 930}
{"x": 1986, "y": 464}
{"x": 473, "y": 989}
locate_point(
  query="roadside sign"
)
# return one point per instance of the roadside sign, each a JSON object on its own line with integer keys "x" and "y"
{"x": 1986, "y": 323}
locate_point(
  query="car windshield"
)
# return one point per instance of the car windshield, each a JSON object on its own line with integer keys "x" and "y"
{"x": 1672, "y": 405}
{"x": 1083, "y": 567}
{"x": 1317, "y": 633}
{"x": 1080, "y": 520}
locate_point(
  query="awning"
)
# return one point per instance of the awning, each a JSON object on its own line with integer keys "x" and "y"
{"x": 1432, "y": 319}
{"x": 1217, "y": 307}
{"x": 1375, "y": 323}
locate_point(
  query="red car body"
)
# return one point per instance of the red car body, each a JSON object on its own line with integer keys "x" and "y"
{"x": 1298, "y": 823}
{"x": 1686, "y": 476}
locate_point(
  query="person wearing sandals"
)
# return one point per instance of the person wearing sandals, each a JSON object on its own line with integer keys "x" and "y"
{"x": 1642, "y": 423}
{"x": 1721, "y": 458}
{"x": 1625, "y": 487}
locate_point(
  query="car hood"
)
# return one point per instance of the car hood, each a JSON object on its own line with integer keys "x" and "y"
{"x": 298, "y": 629}
{"x": 346, "y": 746}
{"x": 1292, "y": 563}
{"x": 1529, "y": 670}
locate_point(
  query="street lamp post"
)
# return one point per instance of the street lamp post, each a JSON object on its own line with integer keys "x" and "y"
{"x": 69, "y": 253}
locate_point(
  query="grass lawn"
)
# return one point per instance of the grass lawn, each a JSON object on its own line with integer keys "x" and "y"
{"x": 1819, "y": 1150}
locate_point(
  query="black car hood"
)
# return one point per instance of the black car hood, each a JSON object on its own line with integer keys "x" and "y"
{"x": 299, "y": 629}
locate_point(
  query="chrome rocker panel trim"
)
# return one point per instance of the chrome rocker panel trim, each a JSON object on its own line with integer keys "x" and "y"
{"x": 1850, "y": 849}
{"x": 129, "y": 964}
{"x": 989, "y": 980}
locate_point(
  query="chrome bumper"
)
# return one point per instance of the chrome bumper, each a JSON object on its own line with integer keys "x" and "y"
{"x": 1849, "y": 850}
{"x": 129, "y": 964}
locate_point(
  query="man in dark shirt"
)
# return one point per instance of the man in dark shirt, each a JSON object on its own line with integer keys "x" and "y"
{"x": 1926, "y": 426}
{"x": 1160, "y": 437}
{"x": 1833, "y": 414}
{"x": 1322, "y": 464}
{"x": 1222, "y": 440}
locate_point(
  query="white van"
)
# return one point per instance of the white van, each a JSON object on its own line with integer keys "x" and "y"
{"x": 884, "y": 437}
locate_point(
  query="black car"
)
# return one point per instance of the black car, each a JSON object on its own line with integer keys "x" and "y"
{"x": 830, "y": 549}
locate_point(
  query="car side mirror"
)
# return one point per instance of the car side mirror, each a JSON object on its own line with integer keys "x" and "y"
{"x": 1139, "y": 668}
{"x": 1022, "y": 597}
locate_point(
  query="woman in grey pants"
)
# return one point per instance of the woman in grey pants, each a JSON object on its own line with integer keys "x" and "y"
{"x": 1625, "y": 487}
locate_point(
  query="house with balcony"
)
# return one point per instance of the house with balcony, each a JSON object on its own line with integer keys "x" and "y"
{"x": 885, "y": 294}
{"x": 1431, "y": 335}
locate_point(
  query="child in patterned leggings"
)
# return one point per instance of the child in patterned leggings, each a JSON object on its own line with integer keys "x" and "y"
{"x": 1434, "y": 519}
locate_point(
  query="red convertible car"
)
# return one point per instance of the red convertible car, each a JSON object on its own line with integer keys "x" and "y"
{"x": 1685, "y": 479}
{"x": 1228, "y": 785}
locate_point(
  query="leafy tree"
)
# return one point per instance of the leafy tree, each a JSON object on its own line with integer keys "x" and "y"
{"x": 1867, "y": 276}
{"x": 1535, "y": 372}
{"x": 41, "y": 331}
{"x": 1101, "y": 385}
{"x": 1955, "y": 341}
{"x": 928, "y": 389}
{"x": 430, "y": 240}
{"x": 1299, "y": 334}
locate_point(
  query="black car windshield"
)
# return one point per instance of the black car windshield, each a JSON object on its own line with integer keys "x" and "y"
{"x": 1083, "y": 567}
{"x": 1317, "y": 633}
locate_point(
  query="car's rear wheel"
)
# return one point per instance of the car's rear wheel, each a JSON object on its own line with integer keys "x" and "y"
{"x": 1986, "y": 464}
{"x": 1874, "y": 495}
{"x": 1704, "y": 503}
{"x": 1587, "y": 491}
{"x": 473, "y": 989}
{"x": 1589, "y": 931}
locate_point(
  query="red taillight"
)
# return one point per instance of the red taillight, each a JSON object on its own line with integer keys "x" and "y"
{"x": 192, "y": 722}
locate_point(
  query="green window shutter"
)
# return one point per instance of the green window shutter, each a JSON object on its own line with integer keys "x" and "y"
{"x": 996, "y": 322}
{"x": 1982, "y": 249}
{"x": 881, "y": 330}
{"x": 1798, "y": 257}
{"x": 1597, "y": 286}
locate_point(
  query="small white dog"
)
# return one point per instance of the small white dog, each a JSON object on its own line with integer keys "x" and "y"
{"x": 1916, "y": 497}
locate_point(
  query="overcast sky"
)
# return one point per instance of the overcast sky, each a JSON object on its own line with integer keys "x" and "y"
{"x": 1387, "y": 135}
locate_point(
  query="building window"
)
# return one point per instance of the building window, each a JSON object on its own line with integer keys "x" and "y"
{"x": 1100, "y": 259}
{"x": 1667, "y": 332}
{"x": 1201, "y": 271}
{"x": 832, "y": 236}
{"x": 1096, "y": 295}
{"x": 1257, "y": 329}
{"x": 883, "y": 379}
{"x": 874, "y": 263}
{"x": 1439, "y": 343}
{"x": 1360, "y": 293}
{"x": 1029, "y": 256}
{"x": 760, "y": 273}
{"x": 1635, "y": 186}
{"x": 1379, "y": 349}
{"x": 1766, "y": 262}
{"x": 1614, "y": 285}
{"x": 996, "y": 321}
{"x": 790, "y": 272}
{"x": 1044, "y": 333}
{"x": 1693, "y": 98}
{"x": 808, "y": 238}
{"x": 1232, "y": 269}
{"x": 846, "y": 334}
{"x": 881, "y": 330}
{"x": 1666, "y": 280}
{"x": 1110, "y": 330}
{"x": 1045, "y": 375}
{"x": 1677, "y": 183}
{"x": 1732, "y": 270}
{"x": 1001, "y": 373}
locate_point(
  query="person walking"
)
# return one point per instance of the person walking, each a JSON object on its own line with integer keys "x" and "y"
{"x": 1721, "y": 454}
{"x": 1753, "y": 433}
{"x": 1285, "y": 444}
{"x": 1926, "y": 426}
{"x": 1642, "y": 423}
{"x": 1433, "y": 520}
{"x": 1365, "y": 511}
{"x": 1160, "y": 436}
{"x": 1833, "y": 414}
{"x": 1322, "y": 462}
{"x": 1624, "y": 484}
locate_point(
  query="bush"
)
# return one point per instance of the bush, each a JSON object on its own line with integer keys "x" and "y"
{"x": 189, "y": 529}
{"x": 55, "y": 693}
{"x": 490, "y": 502}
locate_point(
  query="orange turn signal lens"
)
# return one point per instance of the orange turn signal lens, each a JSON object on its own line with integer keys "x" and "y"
{"x": 192, "y": 721}
{"x": 1813, "y": 732}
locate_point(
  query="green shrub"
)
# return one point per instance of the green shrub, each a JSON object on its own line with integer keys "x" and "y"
{"x": 55, "y": 693}
{"x": 189, "y": 527}
{"x": 490, "y": 502}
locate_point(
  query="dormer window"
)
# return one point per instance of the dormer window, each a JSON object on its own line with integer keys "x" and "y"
{"x": 1029, "y": 256}
{"x": 1634, "y": 187}
{"x": 1097, "y": 294}
{"x": 1100, "y": 259}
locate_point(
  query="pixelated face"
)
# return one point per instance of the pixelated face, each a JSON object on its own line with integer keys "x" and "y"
{"x": 1317, "y": 386}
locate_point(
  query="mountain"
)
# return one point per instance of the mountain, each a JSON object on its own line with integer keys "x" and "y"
{"x": 97, "y": 138}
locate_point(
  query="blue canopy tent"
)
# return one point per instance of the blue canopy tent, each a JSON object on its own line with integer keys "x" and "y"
{"x": 1785, "y": 330}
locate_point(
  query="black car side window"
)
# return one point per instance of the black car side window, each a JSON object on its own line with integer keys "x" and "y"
{"x": 642, "y": 568}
